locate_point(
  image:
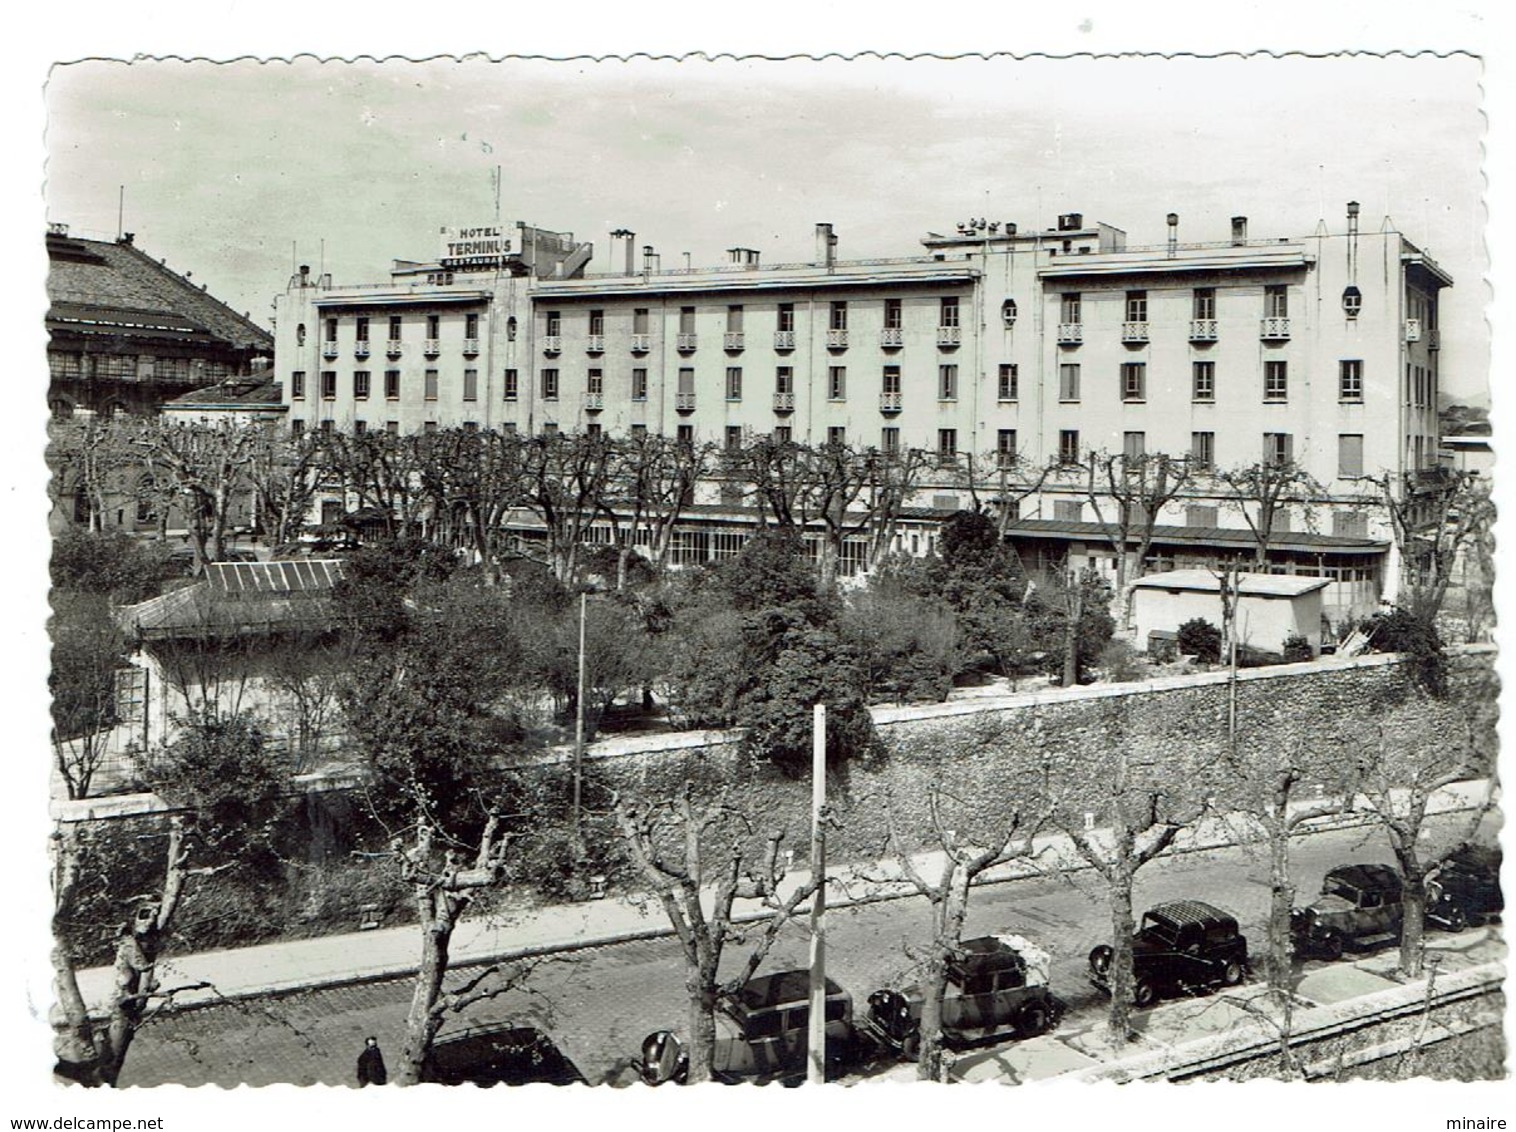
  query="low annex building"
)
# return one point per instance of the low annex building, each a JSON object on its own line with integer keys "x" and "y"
{"x": 1270, "y": 607}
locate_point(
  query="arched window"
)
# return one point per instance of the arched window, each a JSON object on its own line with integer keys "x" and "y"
{"x": 300, "y": 335}
{"x": 1008, "y": 312}
{"x": 510, "y": 329}
{"x": 1352, "y": 301}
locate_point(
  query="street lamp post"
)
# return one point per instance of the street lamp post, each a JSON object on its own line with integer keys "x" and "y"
{"x": 579, "y": 731}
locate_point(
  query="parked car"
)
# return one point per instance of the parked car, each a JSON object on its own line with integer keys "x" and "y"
{"x": 762, "y": 1033}
{"x": 498, "y": 1054}
{"x": 1183, "y": 947}
{"x": 997, "y": 986}
{"x": 1464, "y": 887}
{"x": 1359, "y": 907}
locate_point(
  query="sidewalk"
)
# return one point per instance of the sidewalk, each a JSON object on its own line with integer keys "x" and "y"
{"x": 388, "y": 952}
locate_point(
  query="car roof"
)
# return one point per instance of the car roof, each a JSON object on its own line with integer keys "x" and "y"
{"x": 779, "y": 988}
{"x": 1471, "y": 856}
{"x": 1370, "y": 877}
{"x": 1180, "y": 912}
{"x": 987, "y": 953}
{"x": 498, "y": 1051}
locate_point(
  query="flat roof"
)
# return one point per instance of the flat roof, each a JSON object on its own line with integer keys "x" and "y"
{"x": 1310, "y": 541}
{"x": 1248, "y": 585}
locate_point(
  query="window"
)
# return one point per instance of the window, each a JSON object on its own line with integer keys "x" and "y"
{"x": 686, "y": 320}
{"x": 1068, "y": 510}
{"x": 1068, "y": 381}
{"x": 1276, "y": 301}
{"x": 947, "y": 445}
{"x": 360, "y": 427}
{"x": 328, "y": 385}
{"x": 1005, "y": 447}
{"x": 1204, "y": 303}
{"x": 1276, "y": 381}
{"x": 430, "y": 391}
{"x": 836, "y": 383}
{"x": 1070, "y": 309}
{"x": 783, "y": 434}
{"x": 1203, "y": 450}
{"x": 892, "y": 380}
{"x": 1136, "y": 306}
{"x": 838, "y": 316}
{"x": 784, "y": 379}
{"x": 836, "y": 435}
{"x": 300, "y": 335}
{"x": 512, "y": 385}
{"x": 471, "y": 326}
{"x": 733, "y": 437}
{"x": 473, "y": 426}
{"x": 550, "y": 429}
{"x": 394, "y": 328}
{"x": 360, "y": 385}
{"x": 433, "y": 325}
{"x": 327, "y": 426}
{"x": 686, "y": 384}
{"x": 639, "y": 320}
{"x": 734, "y": 383}
{"x": 392, "y": 385}
{"x": 550, "y": 385}
{"x": 1008, "y": 313}
{"x": 594, "y": 382}
{"x": 639, "y": 432}
{"x": 597, "y": 322}
{"x": 1352, "y": 301}
{"x": 297, "y": 428}
{"x": 361, "y": 325}
{"x": 947, "y": 383}
{"x": 509, "y": 428}
{"x": 554, "y": 323}
{"x": 1134, "y": 445}
{"x": 1009, "y": 385}
{"x": 1277, "y": 448}
{"x": 1068, "y": 446}
{"x": 297, "y": 385}
{"x": 392, "y": 428}
{"x": 889, "y": 439}
{"x": 1350, "y": 454}
{"x": 471, "y": 385}
{"x": 510, "y": 329}
{"x": 639, "y": 384}
{"x": 331, "y": 330}
{"x": 786, "y": 318}
{"x": 948, "y": 315}
{"x": 1350, "y": 524}
{"x": 734, "y": 319}
{"x": 1134, "y": 381}
{"x": 1350, "y": 380}
{"x": 1203, "y": 381}
{"x": 892, "y": 315}
{"x": 1201, "y": 515}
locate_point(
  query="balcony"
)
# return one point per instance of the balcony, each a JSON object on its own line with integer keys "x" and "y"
{"x": 471, "y": 346}
{"x": 684, "y": 402}
{"x": 432, "y": 347}
{"x": 640, "y": 343}
{"x": 836, "y": 339}
{"x": 328, "y": 349}
{"x": 891, "y": 338}
{"x": 392, "y": 348}
{"x": 784, "y": 339}
{"x": 889, "y": 401}
{"x": 784, "y": 402}
{"x": 686, "y": 343}
{"x": 732, "y": 340}
{"x": 360, "y": 349}
{"x": 1202, "y": 330}
{"x": 949, "y": 335}
{"x": 594, "y": 344}
{"x": 1134, "y": 331}
{"x": 1413, "y": 330}
{"x": 1275, "y": 329}
{"x": 593, "y": 401}
{"x": 552, "y": 343}
{"x": 1070, "y": 333}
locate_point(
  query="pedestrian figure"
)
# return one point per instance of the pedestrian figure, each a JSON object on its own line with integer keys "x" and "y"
{"x": 371, "y": 1064}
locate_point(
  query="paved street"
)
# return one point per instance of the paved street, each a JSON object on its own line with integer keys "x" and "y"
{"x": 599, "y": 1002}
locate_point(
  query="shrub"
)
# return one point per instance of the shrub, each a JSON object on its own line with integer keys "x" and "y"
{"x": 1120, "y": 663}
{"x": 1400, "y": 630}
{"x": 1296, "y": 647}
{"x": 1200, "y": 639}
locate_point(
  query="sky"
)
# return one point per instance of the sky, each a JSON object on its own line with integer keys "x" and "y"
{"x": 237, "y": 172}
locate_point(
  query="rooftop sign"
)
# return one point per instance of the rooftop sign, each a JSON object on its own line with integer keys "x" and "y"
{"x": 480, "y": 248}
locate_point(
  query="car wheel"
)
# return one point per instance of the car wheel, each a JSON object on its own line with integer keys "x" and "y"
{"x": 1232, "y": 973}
{"x": 1455, "y": 918}
{"x": 910, "y": 1047}
{"x": 1331, "y": 946}
{"x": 1032, "y": 1020}
{"x": 1144, "y": 993}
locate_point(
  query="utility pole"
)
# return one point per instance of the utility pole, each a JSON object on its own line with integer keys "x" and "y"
{"x": 579, "y": 730}
{"x": 816, "y": 1045}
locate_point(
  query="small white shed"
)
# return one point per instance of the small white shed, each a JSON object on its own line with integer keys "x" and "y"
{"x": 1270, "y": 607}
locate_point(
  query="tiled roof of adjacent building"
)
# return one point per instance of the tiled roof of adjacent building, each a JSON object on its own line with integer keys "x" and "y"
{"x": 247, "y": 392}
{"x": 113, "y": 285}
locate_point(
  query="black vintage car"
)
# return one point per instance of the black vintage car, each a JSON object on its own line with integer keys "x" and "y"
{"x": 1184, "y": 947}
{"x": 1360, "y": 906}
{"x": 1464, "y": 888}
{"x": 498, "y": 1054}
{"x": 997, "y": 986}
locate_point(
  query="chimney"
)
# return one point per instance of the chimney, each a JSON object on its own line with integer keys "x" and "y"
{"x": 628, "y": 240}
{"x": 1239, "y": 231}
{"x": 826, "y": 246}
{"x": 650, "y": 259}
{"x": 1173, "y": 232}
{"x": 742, "y": 257}
{"x": 1352, "y": 218}
{"x": 305, "y": 274}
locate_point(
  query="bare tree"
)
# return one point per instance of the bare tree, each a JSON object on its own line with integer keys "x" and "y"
{"x": 650, "y": 484}
{"x": 284, "y": 472}
{"x": 567, "y": 481}
{"x": 88, "y": 653}
{"x": 1264, "y": 492}
{"x": 209, "y": 466}
{"x": 692, "y": 857}
{"x": 1435, "y": 515}
{"x": 780, "y": 477}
